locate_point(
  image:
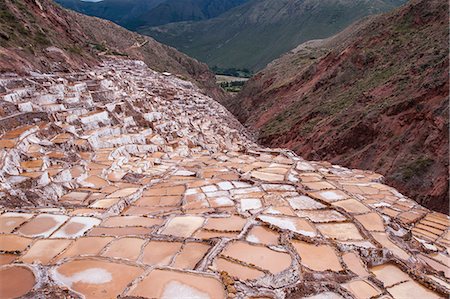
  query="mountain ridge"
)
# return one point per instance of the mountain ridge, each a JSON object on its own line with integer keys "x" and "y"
{"x": 373, "y": 97}
{"x": 256, "y": 32}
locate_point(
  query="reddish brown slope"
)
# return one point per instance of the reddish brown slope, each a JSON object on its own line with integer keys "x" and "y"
{"x": 373, "y": 97}
{"x": 40, "y": 35}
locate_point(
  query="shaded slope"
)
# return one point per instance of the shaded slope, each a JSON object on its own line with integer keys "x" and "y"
{"x": 185, "y": 10}
{"x": 373, "y": 97}
{"x": 39, "y": 35}
{"x": 255, "y": 33}
{"x": 122, "y": 12}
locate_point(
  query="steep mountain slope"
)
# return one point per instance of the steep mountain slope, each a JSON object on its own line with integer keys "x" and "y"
{"x": 255, "y": 33}
{"x": 122, "y": 12}
{"x": 373, "y": 97}
{"x": 39, "y": 35}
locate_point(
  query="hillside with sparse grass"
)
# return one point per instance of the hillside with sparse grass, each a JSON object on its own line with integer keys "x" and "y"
{"x": 373, "y": 97}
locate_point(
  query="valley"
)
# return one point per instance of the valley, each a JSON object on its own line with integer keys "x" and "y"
{"x": 375, "y": 96}
{"x": 131, "y": 170}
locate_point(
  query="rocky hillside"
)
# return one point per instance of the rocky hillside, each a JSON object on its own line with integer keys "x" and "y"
{"x": 253, "y": 34}
{"x": 373, "y": 97}
{"x": 40, "y": 35}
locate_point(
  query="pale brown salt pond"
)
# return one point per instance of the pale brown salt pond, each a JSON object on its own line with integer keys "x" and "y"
{"x": 317, "y": 257}
{"x": 43, "y": 251}
{"x": 120, "y": 231}
{"x": 96, "y": 278}
{"x": 352, "y": 206}
{"x": 125, "y": 248}
{"x": 16, "y": 281}
{"x": 371, "y": 221}
{"x": 355, "y": 264}
{"x": 126, "y": 221}
{"x": 7, "y": 258}
{"x": 86, "y": 246}
{"x": 236, "y": 270}
{"x": 260, "y": 256}
{"x": 340, "y": 231}
{"x": 318, "y": 216}
{"x": 160, "y": 253}
{"x": 384, "y": 240}
{"x": 9, "y": 221}
{"x": 166, "y": 284}
{"x": 183, "y": 226}
{"x": 322, "y": 185}
{"x": 264, "y": 235}
{"x": 233, "y": 224}
{"x": 295, "y": 224}
{"x": 362, "y": 289}
{"x": 190, "y": 255}
{"x": 76, "y": 227}
{"x": 10, "y": 243}
{"x": 42, "y": 225}
{"x": 329, "y": 195}
{"x": 412, "y": 290}
{"x": 326, "y": 295}
{"x": 389, "y": 274}
{"x": 206, "y": 234}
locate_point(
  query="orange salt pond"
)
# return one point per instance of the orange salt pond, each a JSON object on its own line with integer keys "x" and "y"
{"x": 260, "y": 256}
{"x": 16, "y": 281}
{"x": 317, "y": 257}
{"x": 95, "y": 278}
{"x": 166, "y": 284}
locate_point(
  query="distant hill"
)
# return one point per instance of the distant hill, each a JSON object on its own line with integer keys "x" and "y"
{"x": 171, "y": 11}
{"x": 38, "y": 35}
{"x": 255, "y": 33}
{"x": 122, "y": 12}
{"x": 134, "y": 13}
{"x": 375, "y": 96}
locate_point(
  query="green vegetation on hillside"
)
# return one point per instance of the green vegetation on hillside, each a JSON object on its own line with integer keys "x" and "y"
{"x": 253, "y": 34}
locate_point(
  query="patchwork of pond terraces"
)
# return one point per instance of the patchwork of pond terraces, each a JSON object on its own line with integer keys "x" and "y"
{"x": 121, "y": 181}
